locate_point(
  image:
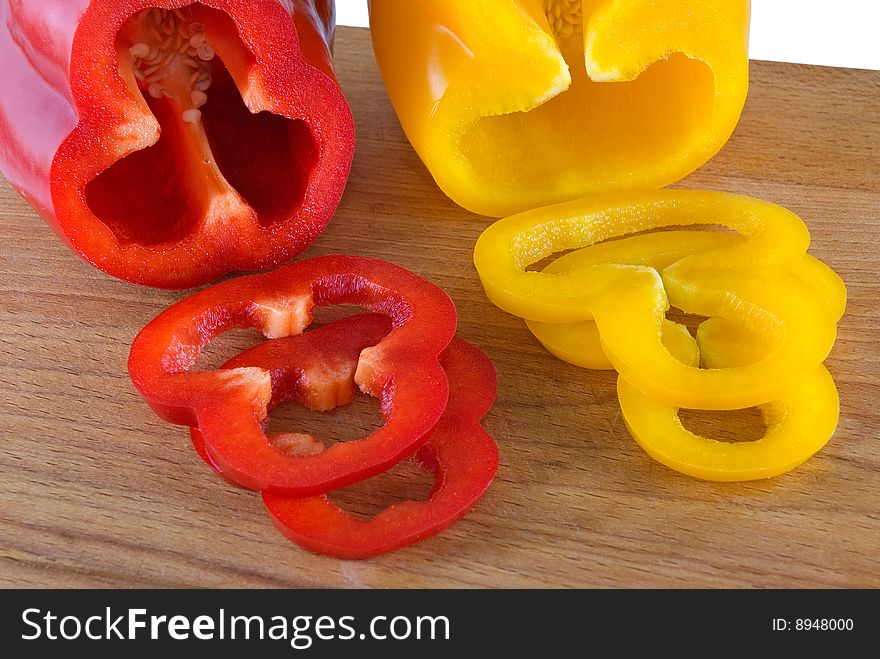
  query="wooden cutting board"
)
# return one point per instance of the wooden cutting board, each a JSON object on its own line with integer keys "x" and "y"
{"x": 97, "y": 491}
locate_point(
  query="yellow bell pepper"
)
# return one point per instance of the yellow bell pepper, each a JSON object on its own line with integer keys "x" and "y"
{"x": 747, "y": 282}
{"x": 515, "y": 104}
{"x": 798, "y": 424}
{"x": 580, "y": 343}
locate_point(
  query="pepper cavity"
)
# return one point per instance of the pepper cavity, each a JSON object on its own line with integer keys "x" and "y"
{"x": 216, "y": 161}
{"x": 173, "y": 59}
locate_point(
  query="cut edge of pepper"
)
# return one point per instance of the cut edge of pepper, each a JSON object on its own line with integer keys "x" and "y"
{"x": 243, "y": 229}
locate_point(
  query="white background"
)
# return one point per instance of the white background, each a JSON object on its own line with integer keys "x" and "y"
{"x": 829, "y": 32}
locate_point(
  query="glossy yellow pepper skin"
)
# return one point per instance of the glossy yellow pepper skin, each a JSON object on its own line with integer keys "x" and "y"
{"x": 580, "y": 343}
{"x": 748, "y": 282}
{"x": 798, "y": 424}
{"x": 516, "y": 104}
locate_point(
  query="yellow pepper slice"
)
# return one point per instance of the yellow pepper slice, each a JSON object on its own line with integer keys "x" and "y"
{"x": 798, "y": 424}
{"x": 747, "y": 282}
{"x": 580, "y": 343}
{"x": 515, "y": 104}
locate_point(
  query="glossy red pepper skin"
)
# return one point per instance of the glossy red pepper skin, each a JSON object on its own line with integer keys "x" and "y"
{"x": 228, "y": 406}
{"x": 461, "y": 455}
{"x": 68, "y": 113}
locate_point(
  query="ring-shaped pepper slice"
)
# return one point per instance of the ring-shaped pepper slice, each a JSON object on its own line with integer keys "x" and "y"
{"x": 460, "y": 454}
{"x": 747, "y": 283}
{"x": 315, "y": 369}
{"x": 798, "y": 424}
{"x": 229, "y": 405}
{"x": 580, "y": 343}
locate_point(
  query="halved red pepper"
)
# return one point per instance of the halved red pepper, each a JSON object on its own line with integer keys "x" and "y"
{"x": 228, "y": 406}
{"x": 170, "y": 142}
{"x": 317, "y": 370}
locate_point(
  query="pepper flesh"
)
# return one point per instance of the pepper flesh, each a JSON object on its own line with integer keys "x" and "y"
{"x": 799, "y": 423}
{"x": 747, "y": 282}
{"x": 228, "y": 406}
{"x": 170, "y": 142}
{"x": 516, "y": 104}
{"x": 580, "y": 343}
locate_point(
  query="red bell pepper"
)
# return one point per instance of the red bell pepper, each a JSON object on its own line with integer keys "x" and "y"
{"x": 228, "y": 406}
{"x": 171, "y": 142}
{"x": 317, "y": 370}
{"x": 462, "y": 456}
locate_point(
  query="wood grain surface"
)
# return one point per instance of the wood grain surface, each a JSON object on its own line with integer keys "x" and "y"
{"x": 97, "y": 491}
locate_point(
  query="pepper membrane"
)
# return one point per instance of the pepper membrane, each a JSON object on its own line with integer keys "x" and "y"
{"x": 170, "y": 142}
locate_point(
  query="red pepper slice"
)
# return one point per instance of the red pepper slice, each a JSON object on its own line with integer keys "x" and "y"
{"x": 462, "y": 456}
{"x": 318, "y": 368}
{"x": 168, "y": 142}
{"x": 228, "y": 406}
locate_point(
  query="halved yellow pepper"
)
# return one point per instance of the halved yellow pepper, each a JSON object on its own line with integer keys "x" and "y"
{"x": 747, "y": 282}
{"x": 798, "y": 424}
{"x": 580, "y": 343}
{"x": 515, "y": 104}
